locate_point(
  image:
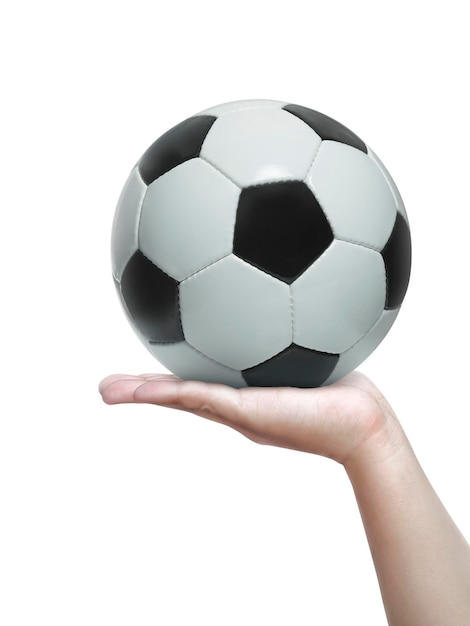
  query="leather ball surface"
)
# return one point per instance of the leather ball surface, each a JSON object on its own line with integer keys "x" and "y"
{"x": 260, "y": 243}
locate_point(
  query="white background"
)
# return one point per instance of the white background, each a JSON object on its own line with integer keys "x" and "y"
{"x": 135, "y": 515}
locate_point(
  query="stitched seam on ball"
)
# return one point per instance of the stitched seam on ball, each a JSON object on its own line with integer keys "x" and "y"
{"x": 205, "y": 267}
{"x": 178, "y": 308}
{"x": 292, "y": 315}
{"x": 121, "y": 269}
{"x": 387, "y": 285}
{"x": 247, "y": 108}
{"x": 232, "y": 369}
{"x": 164, "y": 343}
{"x": 370, "y": 329}
{"x": 221, "y": 172}
{"x": 266, "y": 183}
{"x": 139, "y": 215}
{"x": 395, "y": 193}
{"x": 313, "y": 161}
{"x": 358, "y": 243}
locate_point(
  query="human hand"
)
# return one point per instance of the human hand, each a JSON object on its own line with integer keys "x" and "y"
{"x": 422, "y": 560}
{"x": 334, "y": 421}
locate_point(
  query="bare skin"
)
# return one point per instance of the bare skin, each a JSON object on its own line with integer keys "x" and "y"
{"x": 421, "y": 558}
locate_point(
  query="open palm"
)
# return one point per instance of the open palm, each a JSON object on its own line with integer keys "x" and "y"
{"x": 332, "y": 421}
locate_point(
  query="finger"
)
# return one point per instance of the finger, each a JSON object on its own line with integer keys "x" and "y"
{"x": 156, "y": 376}
{"x": 118, "y": 378}
{"x": 284, "y": 417}
{"x": 213, "y": 401}
{"x": 120, "y": 390}
{"x": 111, "y": 379}
{"x": 256, "y": 413}
{"x": 218, "y": 403}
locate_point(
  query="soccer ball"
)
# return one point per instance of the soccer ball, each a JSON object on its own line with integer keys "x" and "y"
{"x": 260, "y": 243}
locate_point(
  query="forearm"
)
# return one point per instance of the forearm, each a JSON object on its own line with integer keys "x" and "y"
{"x": 421, "y": 558}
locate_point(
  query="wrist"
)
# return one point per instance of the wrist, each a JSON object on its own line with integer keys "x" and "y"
{"x": 384, "y": 442}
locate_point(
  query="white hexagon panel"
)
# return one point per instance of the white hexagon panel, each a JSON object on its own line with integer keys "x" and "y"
{"x": 261, "y": 243}
{"x": 339, "y": 298}
{"x": 183, "y": 360}
{"x": 351, "y": 196}
{"x": 257, "y": 145}
{"x": 124, "y": 239}
{"x": 219, "y": 110}
{"x": 355, "y": 355}
{"x": 187, "y": 218}
{"x": 236, "y": 314}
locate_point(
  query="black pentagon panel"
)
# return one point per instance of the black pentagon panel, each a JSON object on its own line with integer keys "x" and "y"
{"x": 326, "y": 127}
{"x": 280, "y": 228}
{"x": 397, "y": 258}
{"x": 177, "y": 145}
{"x": 293, "y": 367}
{"x": 151, "y": 297}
